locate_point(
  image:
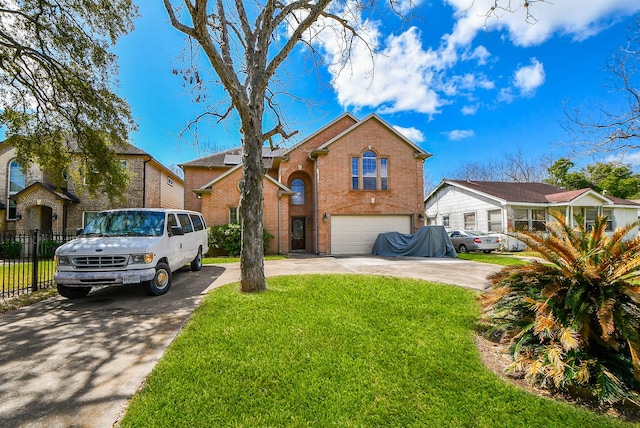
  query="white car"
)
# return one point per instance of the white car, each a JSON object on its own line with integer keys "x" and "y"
{"x": 131, "y": 246}
{"x": 473, "y": 240}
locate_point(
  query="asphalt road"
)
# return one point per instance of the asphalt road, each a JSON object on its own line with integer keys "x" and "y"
{"x": 67, "y": 363}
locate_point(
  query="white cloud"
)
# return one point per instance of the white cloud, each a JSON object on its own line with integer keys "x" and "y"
{"x": 460, "y": 134}
{"x": 397, "y": 73}
{"x": 413, "y": 134}
{"x": 470, "y": 110}
{"x": 579, "y": 21}
{"x": 399, "y": 77}
{"x": 628, "y": 158}
{"x": 528, "y": 78}
{"x": 480, "y": 54}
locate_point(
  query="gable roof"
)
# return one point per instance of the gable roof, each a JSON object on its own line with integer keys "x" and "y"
{"x": 533, "y": 193}
{"x": 232, "y": 157}
{"x": 56, "y": 192}
{"x": 419, "y": 153}
{"x": 327, "y": 126}
{"x": 206, "y": 188}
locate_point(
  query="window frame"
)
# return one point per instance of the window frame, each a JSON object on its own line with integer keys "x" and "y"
{"x": 492, "y": 223}
{"x": 530, "y": 220}
{"x": 12, "y": 206}
{"x": 234, "y": 215}
{"x": 369, "y": 172}
{"x": 299, "y": 197}
{"x": 468, "y": 215}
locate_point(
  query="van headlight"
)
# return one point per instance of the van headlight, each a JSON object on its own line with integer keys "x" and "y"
{"x": 62, "y": 260}
{"x": 140, "y": 259}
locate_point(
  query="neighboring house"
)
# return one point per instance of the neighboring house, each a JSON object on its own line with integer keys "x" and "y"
{"x": 30, "y": 201}
{"x": 495, "y": 206}
{"x": 330, "y": 194}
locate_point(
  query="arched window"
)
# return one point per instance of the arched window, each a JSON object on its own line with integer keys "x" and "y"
{"x": 369, "y": 170}
{"x": 16, "y": 184}
{"x": 375, "y": 174}
{"x": 298, "y": 197}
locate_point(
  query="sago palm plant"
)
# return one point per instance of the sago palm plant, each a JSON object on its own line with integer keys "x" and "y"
{"x": 572, "y": 322}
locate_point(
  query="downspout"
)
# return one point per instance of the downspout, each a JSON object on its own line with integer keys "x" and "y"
{"x": 315, "y": 201}
{"x": 279, "y": 222}
{"x": 144, "y": 183}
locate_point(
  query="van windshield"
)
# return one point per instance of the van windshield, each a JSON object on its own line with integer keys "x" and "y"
{"x": 126, "y": 223}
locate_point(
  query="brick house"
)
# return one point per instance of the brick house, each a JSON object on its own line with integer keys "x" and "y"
{"x": 330, "y": 194}
{"x": 29, "y": 200}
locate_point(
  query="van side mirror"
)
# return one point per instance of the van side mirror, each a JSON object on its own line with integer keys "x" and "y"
{"x": 176, "y": 230}
{"x": 79, "y": 231}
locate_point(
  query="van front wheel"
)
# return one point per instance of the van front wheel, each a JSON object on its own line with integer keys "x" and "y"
{"x": 160, "y": 283}
{"x": 73, "y": 292}
{"x": 196, "y": 264}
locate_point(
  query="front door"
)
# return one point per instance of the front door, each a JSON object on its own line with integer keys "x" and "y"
{"x": 298, "y": 233}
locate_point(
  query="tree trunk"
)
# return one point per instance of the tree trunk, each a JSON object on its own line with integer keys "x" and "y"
{"x": 251, "y": 207}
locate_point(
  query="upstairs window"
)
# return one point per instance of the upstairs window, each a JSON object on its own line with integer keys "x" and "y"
{"x": 17, "y": 183}
{"x": 369, "y": 172}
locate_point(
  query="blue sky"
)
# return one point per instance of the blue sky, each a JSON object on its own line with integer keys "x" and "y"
{"x": 461, "y": 90}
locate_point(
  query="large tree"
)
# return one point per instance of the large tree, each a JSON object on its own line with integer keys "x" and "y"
{"x": 612, "y": 178}
{"x": 512, "y": 166}
{"x": 246, "y": 43}
{"x": 57, "y": 96}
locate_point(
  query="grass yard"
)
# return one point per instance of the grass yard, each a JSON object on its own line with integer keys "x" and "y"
{"x": 503, "y": 259}
{"x": 338, "y": 350}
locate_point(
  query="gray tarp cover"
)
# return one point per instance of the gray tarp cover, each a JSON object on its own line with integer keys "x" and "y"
{"x": 429, "y": 241}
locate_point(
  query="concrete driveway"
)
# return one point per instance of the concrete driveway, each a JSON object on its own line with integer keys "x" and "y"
{"x": 78, "y": 362}
{"x": 447, "y": 270}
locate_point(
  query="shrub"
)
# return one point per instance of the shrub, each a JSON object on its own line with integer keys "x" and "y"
{"x": 10, "y": 249}
{"x": 227, "y": 239}
{"x": 573, "y": 323}
{"x": 47, "y": 248}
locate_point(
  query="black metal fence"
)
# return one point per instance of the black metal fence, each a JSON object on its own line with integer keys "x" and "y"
{"x": 26, "y": 261}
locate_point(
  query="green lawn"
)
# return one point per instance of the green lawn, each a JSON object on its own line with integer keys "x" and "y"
{"x": 338, "y": 350}
{"x": 503, "y": 259}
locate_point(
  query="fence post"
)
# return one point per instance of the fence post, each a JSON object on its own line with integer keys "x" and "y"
{"x": 34, "y": 262}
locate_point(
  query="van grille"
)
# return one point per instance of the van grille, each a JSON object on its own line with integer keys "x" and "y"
{"x": 91, "y": 262}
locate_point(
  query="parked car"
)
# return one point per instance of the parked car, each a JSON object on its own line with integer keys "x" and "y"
{"x": 131, "y": 246}
{"x": 473, "y": 240}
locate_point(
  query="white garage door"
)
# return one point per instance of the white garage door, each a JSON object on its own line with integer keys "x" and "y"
{"x": 356, "y": 234}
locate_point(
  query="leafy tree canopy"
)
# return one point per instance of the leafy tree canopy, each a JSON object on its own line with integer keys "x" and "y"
{"x": 612, "y": 178}
{"x": 57, "y": 103}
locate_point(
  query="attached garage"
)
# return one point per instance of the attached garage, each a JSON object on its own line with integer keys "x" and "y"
{"x": 356, "y": 234}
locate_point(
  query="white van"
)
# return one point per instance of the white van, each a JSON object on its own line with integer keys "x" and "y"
{"x": 131, "y": 246}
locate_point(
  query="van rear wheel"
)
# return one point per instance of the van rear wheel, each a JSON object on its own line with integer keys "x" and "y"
{"x": 160, "y": 283}
{"x": 73, "y": 292}
{"x": 196, "y": 264}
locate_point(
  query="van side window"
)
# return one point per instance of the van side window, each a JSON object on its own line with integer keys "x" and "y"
{"x": 197, "y": 222}
{"x": 185, "y": 222}
{"x": 171, "y": 221}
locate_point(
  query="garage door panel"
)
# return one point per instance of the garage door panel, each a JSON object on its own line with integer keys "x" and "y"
{"x": 357, "y": 234}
